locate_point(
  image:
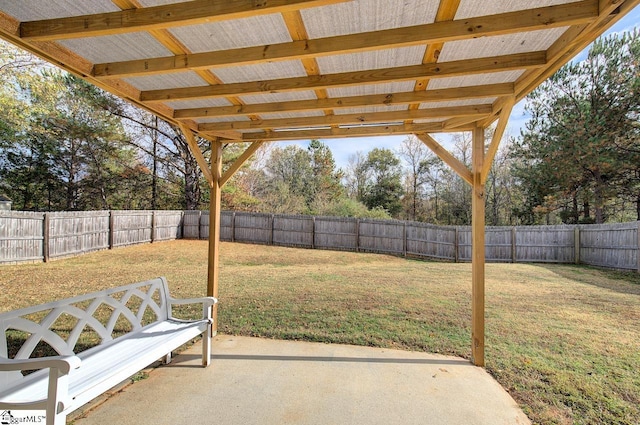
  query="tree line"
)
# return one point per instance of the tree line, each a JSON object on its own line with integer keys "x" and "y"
{"x": 67, "y": 145}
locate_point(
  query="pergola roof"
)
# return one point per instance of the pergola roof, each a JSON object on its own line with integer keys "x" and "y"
{"x": 248, "y": 70}
{"x": 261, "y": 70}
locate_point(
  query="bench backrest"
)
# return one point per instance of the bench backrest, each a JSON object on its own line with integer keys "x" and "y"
{"x": 72, "y": 325}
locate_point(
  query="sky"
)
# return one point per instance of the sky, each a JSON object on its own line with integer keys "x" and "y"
{"x": 343, "y": 148}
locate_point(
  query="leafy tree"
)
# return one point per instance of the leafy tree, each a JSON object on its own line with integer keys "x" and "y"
{"x": 580, "y": 148}
{"x": 384, "y": 189}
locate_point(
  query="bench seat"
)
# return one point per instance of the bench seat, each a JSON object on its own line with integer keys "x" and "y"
{"x": 66, "y": 382}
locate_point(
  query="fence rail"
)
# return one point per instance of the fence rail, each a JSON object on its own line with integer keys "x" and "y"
{"x": 42, "y": 236}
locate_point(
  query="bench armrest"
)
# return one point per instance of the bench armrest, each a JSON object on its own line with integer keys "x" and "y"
{"x": 209, "y": 301}
{"x": 206, "y": 302}
{"x": 63, "y": 363}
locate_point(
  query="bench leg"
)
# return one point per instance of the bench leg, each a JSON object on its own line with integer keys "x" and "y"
{"x": 206, "y": 347}
{"x": 167, "y": 358}
{"x": 57, "y": 389}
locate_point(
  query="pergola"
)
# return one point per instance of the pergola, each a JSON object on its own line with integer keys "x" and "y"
{"x": 256, "y": 71}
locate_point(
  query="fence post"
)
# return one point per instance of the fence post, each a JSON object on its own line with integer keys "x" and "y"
{"x": 404, "y": 238}
{"x": 112, "y": 221}
{"x": 576, "y": 244}
{"x": 514, "y": 256}
{"x": 313, "y": 234}
{"x": 357, "y": 235}
{"x": 45, "y": 237}
{"x": 273, "y": 217}
{"x": 456, "y": 246}
{"x": 153, "y": 226}
{"x": 638, "y": 252}
{"x": 233, "y": 227}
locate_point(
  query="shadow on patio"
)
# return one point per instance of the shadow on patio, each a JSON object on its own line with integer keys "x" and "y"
{"x": 260, "y": 381}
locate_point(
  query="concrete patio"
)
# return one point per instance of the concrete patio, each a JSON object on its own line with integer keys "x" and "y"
{"x": 261, "y": 381}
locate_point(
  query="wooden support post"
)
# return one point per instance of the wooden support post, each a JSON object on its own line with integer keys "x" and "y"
{"x": 477, "y": 249}
{"x": 214, "y": 229}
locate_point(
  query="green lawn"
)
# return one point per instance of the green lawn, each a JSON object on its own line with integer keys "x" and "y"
{"x": 563, "y": 340}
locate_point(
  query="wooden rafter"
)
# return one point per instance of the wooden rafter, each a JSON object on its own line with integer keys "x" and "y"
{"x": 446, "y": 12}
{"x": 342, "y": 132}
{"x": 408, "y": 73}
{"x": 158, "y": 17}
{"x": 433, "y": 34}
{"x": 459, "y": 93}
{"x": 471, "y": 110}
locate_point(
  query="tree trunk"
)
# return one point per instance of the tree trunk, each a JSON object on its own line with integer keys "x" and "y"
{"x": 192, "y": 191}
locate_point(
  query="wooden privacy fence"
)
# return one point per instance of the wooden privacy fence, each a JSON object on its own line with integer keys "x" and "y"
{"x": 28, "y": 236}
{"x": 607, "y": 245}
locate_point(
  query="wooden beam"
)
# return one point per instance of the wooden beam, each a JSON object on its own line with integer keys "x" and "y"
{"x": 477, "y": 250}
{"x": 407, "y": 73}
{"x": 459, "y": 93}
{"x": 458, "y": 167}
{"x": 474, "y": 110}
{"x": 240, "y": 162}
{"x": 158, "y": 17}
{"x": 301, "y": 48}
{"x": 213, "y": 269}
{"x": 341, "y": 132}
{"x": 197, "y": 153}
{"x": 503, "y": 120}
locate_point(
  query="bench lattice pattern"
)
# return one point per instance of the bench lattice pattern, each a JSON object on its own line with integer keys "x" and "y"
{"x": 83, "y": 321}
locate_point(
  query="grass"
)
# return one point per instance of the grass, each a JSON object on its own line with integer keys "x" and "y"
{"x": 563, "y": 340}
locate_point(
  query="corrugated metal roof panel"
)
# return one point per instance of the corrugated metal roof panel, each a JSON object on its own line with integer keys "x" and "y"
{"x": 35, "y": 10}
{"x": 260, "y": 72}
{"x": 278, "y": 97}
{"x": 167, "y": 81}
{"x": 475, "y": 80}
{"x": 117, "y": 48}
{"x": 368, "y": 89}
{"x": 367, "y": 15}
{"x": 470, "y": 8}
{"x": 234, "y": 34}
{"x": 531, "y": 41}
{"x": 379, "y": 59}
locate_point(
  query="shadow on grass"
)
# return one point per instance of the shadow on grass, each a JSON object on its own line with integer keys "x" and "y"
{"x": 624, "y": 282}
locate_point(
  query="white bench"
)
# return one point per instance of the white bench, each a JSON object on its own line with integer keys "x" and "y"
{"x": 133, "y": 325}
